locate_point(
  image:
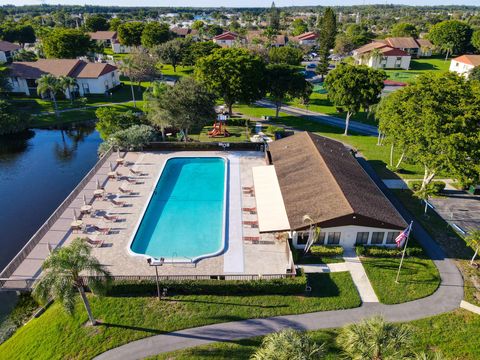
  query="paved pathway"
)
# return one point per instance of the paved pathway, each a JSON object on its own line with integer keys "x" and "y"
{"x": 403, "y": 183}
{"x": 355, "y": 126}
{"x": 359, "y": 276}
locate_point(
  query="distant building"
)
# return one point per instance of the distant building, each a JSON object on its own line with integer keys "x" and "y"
{"x": 7, "y": 50}
{"x": 308, "y": 38}
{"x": 110, "y": 39}
{"x": 257, "y": 35}
{"x": 379, "y": 55}
{"x": 227, "y": 39}
{"x": 464, "y": 64}
{"x": 415, "y": 47}
{"x": 183, "y": 32}
{"x": 92, "y": 78}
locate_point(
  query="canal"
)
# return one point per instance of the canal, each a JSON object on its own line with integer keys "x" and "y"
{"x": 38, "y": 169}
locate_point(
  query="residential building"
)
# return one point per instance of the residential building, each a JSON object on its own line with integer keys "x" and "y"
{"x": 110, "y": 39}
{"x": 183, "y": 32}
{"x": 92, "y": 78}
{"x": 308, "y": 38}
{"x": 227, "y": 39}
{"x": 254, "y": 37}
{"x": 378, "y": 55}
{"x": 322, "y": 184}
{"x": 464, "y": 64}
{"x": 7, "y": 50}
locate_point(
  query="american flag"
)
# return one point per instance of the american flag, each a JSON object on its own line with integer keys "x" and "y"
{"x": 400, "y": 240}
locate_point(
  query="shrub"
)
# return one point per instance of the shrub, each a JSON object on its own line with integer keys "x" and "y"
{"x": 322, "y": 250}
{"x": 272, "y": 129}
{"x": 11, "y": 120}
{"x": 287, "y": 286}
{"x": 436, "y": 187}
{"x": 238, "y": 122}
{"x": 383, "y": 251}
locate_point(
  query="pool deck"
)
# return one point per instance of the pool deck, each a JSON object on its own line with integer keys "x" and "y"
{"x": 267, "y": 256}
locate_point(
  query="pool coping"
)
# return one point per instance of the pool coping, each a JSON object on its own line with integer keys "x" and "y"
{"x": 149, "y": 198}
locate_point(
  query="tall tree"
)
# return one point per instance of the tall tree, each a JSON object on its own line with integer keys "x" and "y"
{"x": 11, "y": 120}
{"x": 188, "y": 104}
{"x": 49, "y": 85}
{"x": 288, "y": 344}
{"x": 197, "y": 50}
{"x": 404, "y": 29}
{"x": 375, "y": 339}
{"x": 233, "y": 74}
{"x": 274, "y": 18}
{"x": 285, "y": 82}
{"x": 285, "y": 55}
{"x": 437, "y": 120}
{"x": 155, "y": 34}
{"x": 298, "y": 27}
{"x": 96, "y": 23}
{"x": 353, "y": 87}
{"x": 61, "y": 276}
{"x": 66, "y": 44}
{"x": 326, "y": 42}
{"x": 111, "y": 121}
{"x": 172, "y": 52}
{"x": 451, "y": 36}
{"x": 130, "y": 33}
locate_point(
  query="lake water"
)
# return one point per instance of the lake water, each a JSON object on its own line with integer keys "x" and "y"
{"x": 38, "y": 170}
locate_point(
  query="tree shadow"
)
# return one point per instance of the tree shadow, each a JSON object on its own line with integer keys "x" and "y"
{"x": 224, "y": 303}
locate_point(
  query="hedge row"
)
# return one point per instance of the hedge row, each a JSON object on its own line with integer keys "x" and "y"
{"x": 238, "y": 122}
{"x": 287, "y": 286}
{"x": 383, "y": 251}
{"x": 322, "y": 250}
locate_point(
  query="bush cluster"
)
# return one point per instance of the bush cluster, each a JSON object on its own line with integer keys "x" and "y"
{"x": 238, "y": 122}
{"x": 383, "y": 251}
{"x": 322, "y": 250}
{"x": 288, "y": 286}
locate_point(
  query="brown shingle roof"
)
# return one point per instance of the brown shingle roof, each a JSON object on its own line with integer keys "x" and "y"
{"x": 424, "y": 43}
{"x": 59, "y": 67}
{"x": 369, "y": 47}
{"x": 319, "y": 177}
{"x": 103, "y": 35}
{"x": 180, "y": 31}
{"x": 402, "y": 42}
{"x": 8, "y": 46}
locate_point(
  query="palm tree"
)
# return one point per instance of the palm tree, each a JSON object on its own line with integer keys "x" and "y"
{"x": 288, "y": 344}
{"x": 49, "y": 85}
{"x": 375, "y": 339}
{"x": 375, "y": 55}
{"x": 68, "y": 83}
{"x": 127, "y": 67}
{"x": 61, "y": 276}
{"x": 473, "y": 240}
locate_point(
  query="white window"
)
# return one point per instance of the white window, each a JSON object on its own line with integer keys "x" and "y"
{"x": 362, "y": 237}
{"x": 377, "y": 237}
{"x": 333, "y": 238}
{"x": 391, "y": 236}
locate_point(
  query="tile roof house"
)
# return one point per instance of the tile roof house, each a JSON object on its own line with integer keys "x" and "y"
{"x": 415, "y": 47}
{"x": 308, "y": 38}
{"x": 227, "y": 39}
{"x": 183, "y": 32}
{"x": 379, "y": 55}
{"x": 254, "y": 35}
{"x": 92, "y": 78}
{"x": 464, "y": 64}
{"x": 7, "y": 50}
{"x": 320, "y": 177}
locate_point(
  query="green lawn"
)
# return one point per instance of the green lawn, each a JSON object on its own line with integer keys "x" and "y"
{"x": 237, "y": 134}
{"x": 378, "y": 156}
{"x": 167, "y": 70}
{"x": 419, "y": 67}
{"x": 453, "y": 334}
{"x": 418, "y": 278}
{"x": 56, "y": 335}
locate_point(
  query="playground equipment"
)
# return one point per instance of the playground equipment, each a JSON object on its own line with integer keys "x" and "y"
{"x": 219, "y": 127}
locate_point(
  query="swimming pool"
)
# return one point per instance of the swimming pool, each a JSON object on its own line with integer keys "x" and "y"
{"x": 185, "y": 217}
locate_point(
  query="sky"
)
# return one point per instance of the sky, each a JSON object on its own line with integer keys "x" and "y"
{"x": 237, "y": 3}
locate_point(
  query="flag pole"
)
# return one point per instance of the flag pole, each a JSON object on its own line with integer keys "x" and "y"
{"x": 403, "y": 253}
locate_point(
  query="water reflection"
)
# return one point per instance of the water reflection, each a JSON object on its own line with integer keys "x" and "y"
{"x": 38, "y": 169}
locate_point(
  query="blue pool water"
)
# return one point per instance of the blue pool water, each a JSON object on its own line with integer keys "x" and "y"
{"x": 185, "y": 217}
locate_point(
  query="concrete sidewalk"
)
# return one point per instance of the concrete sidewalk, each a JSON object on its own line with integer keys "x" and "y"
{"x": 359, "y": 276}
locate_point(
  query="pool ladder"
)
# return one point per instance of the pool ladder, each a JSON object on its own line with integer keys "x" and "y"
{"x": 190, "y": 262}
